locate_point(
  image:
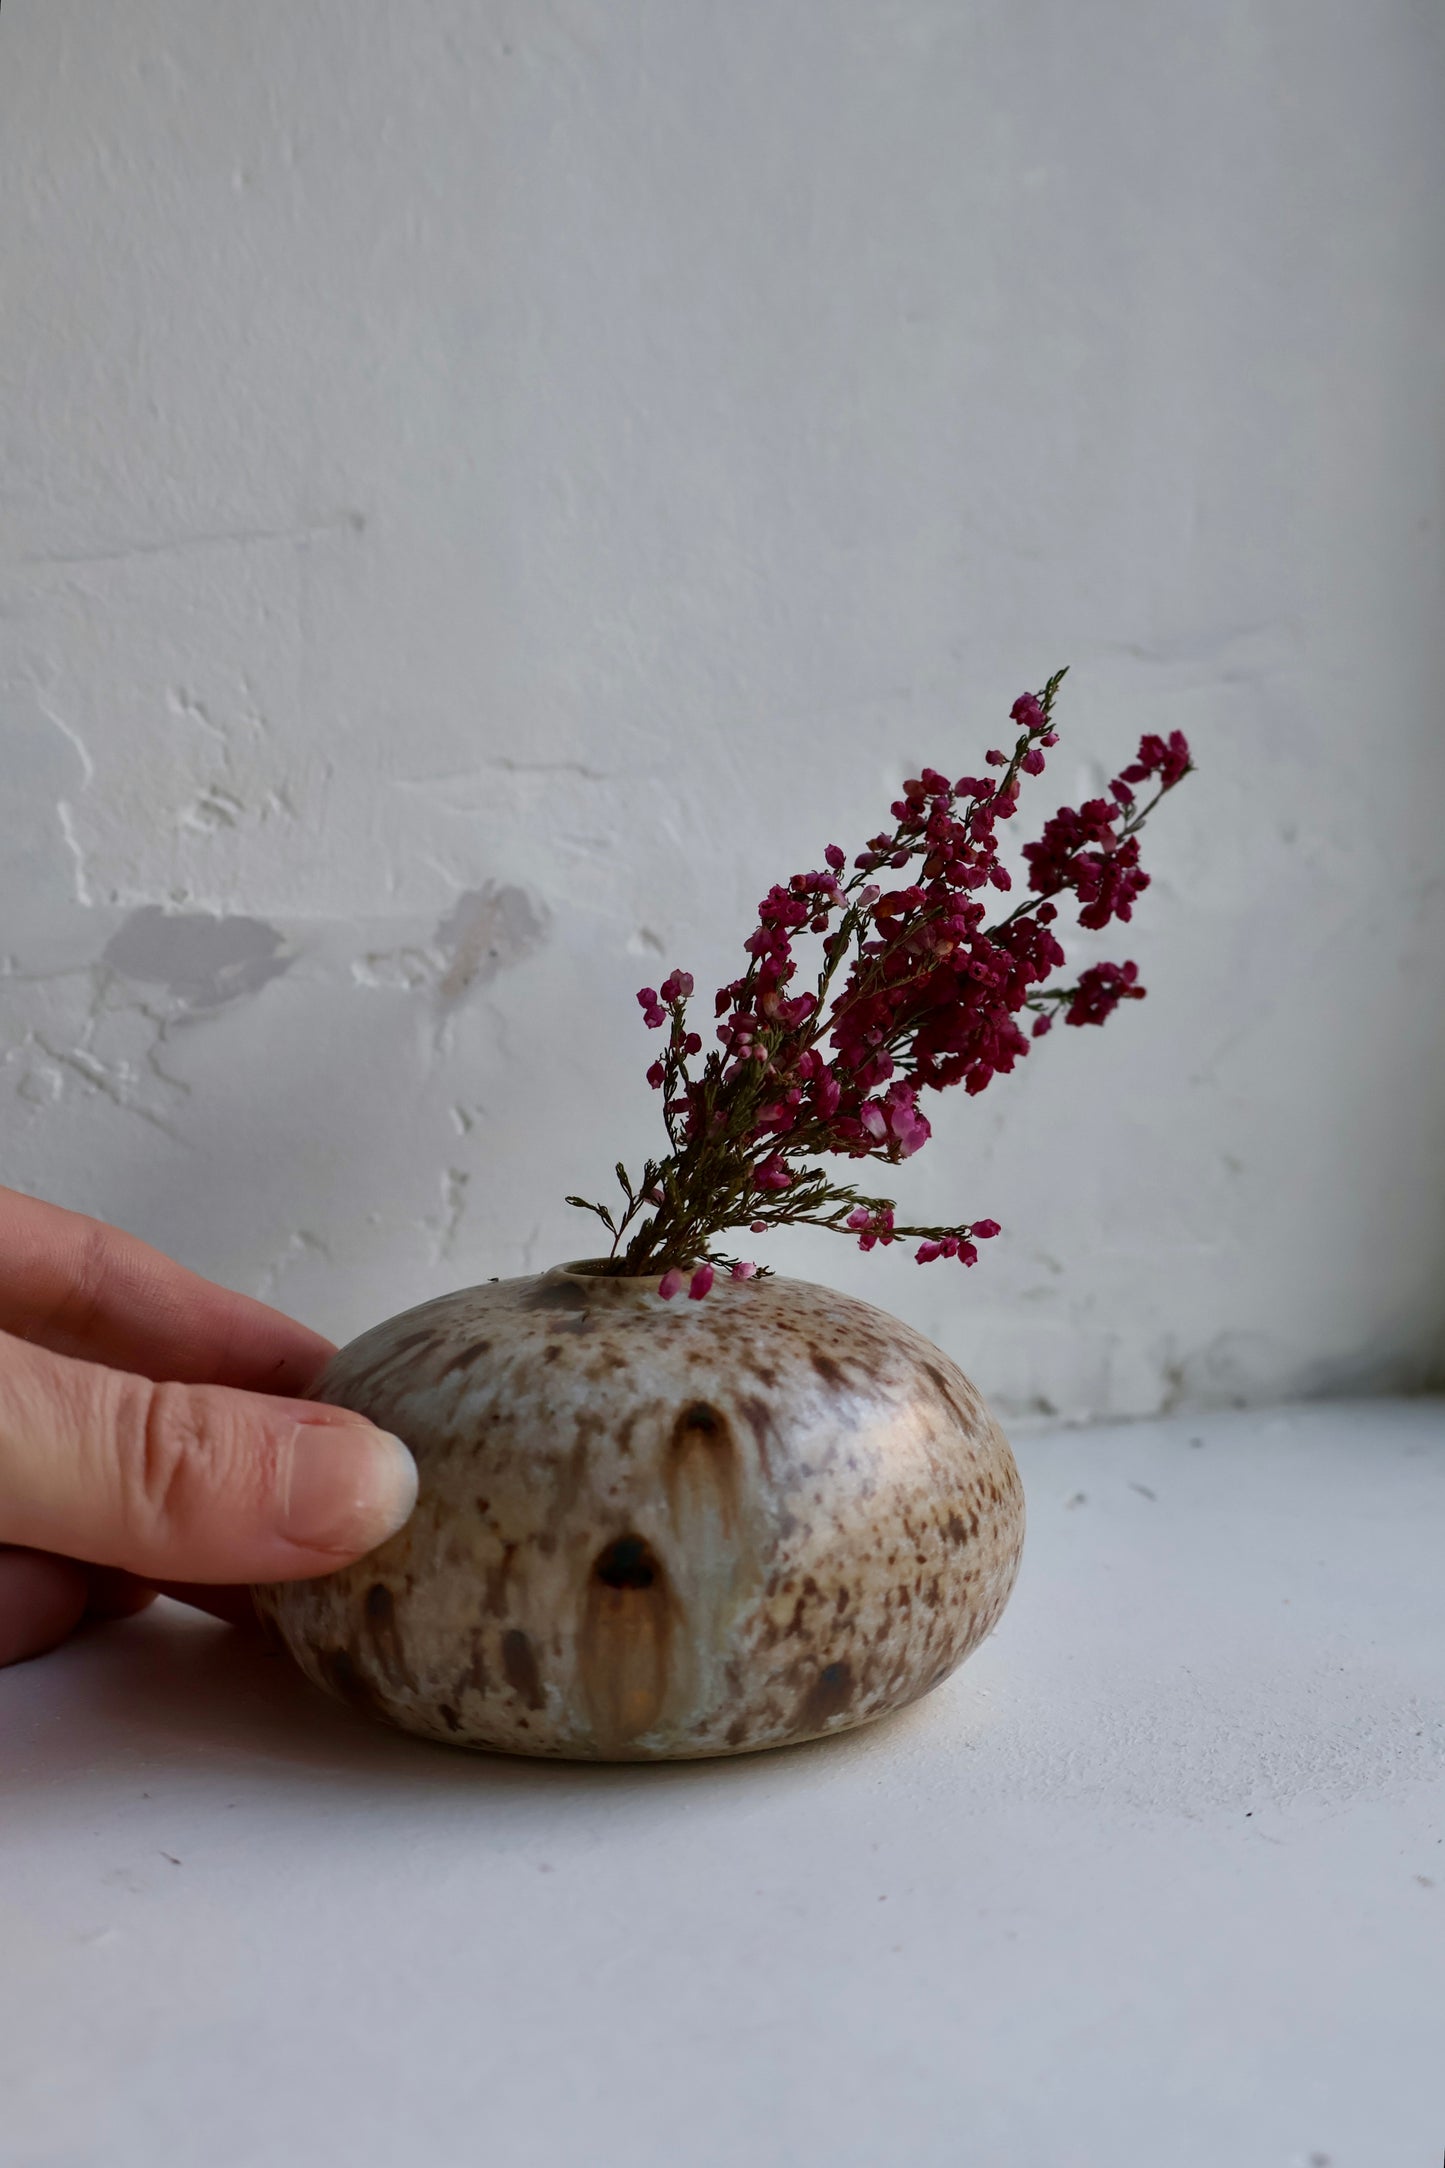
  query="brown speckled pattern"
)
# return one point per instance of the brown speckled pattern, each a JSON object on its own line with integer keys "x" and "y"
{"x": 653, "y": 1530}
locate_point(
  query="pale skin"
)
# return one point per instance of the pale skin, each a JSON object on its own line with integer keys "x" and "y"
{"x": 153, "y": 1437}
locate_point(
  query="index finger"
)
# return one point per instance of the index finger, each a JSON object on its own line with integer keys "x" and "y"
{"x": 79, "y": 1287}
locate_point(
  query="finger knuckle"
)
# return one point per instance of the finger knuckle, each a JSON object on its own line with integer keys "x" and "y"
{"x": 210, "y": 1459}
{"x": 184, "y": 1463}
{"x": 168, "y": 1448}
{"x": 87, "y": 1280}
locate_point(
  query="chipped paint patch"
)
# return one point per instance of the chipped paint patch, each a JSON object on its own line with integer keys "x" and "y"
{"x": 489, "y": 929}
{"x": 201, "y": 959}
{"x": 486, "y": 932}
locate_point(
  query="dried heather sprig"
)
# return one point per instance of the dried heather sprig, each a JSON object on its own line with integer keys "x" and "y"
{"x": 913, "y": 993}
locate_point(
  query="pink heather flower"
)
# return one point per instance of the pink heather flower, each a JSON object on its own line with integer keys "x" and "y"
{"x": 653, "y": 1013}
{"x": 742, "y": 1271}
{"x": 826, "y": 1095}
{"x": 1100, "y": 990}
{"x": 1080, "y": 849}
{"x": 912, "y": 1130}
{"x": 672, "y": 1283}
{"x": 656, "y": 1076}
{"x": 858, "y": 1217}
{"x": 836, "y": 859}
{"x": 909, "y": 1128}
{"x": 1169, "y": 759}
{"x": 758, "y": 1227}
{"x": 700, "y": 1283}
{"x": 985, "y": 1230}
{"x": 896, "y": 1119}
{"x": 1028, "y": 712}
{"x": 876, "y": 1227}
{"x": 677, "y": 986}
{"x": 773, "y": 1173}
{"x": 926, "y": 1252}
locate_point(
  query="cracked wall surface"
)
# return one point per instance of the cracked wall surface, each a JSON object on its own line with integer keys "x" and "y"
{"x": 486, "y": 489}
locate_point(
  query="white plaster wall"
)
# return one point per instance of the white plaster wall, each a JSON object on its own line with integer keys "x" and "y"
{"x": 487, "y": 485}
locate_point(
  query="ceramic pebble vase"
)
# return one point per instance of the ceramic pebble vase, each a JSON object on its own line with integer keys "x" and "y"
{"x": 651, "y": 1530}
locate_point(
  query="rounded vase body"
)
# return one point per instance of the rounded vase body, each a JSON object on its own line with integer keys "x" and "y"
{"x": 655, "y": 1530}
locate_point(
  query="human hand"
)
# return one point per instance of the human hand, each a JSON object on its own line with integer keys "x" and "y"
{"x": 150, "y": 1437}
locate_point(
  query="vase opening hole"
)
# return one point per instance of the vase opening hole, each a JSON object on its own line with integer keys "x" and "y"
{"x": 627, "y": 1562}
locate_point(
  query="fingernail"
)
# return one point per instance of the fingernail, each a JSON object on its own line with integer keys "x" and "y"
{"x": 351, "y": 1487}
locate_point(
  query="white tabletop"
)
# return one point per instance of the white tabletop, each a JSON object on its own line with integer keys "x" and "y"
{"x": 1156, "y": 1881}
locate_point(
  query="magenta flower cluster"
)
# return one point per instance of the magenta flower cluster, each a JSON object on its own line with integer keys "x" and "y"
{"x": 916, "y": 990}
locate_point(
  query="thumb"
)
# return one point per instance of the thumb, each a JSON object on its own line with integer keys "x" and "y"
{"x": 189, "y": 1482}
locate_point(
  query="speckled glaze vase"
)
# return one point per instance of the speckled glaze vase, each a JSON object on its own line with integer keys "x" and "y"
{"x": 653, "y": 1530}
